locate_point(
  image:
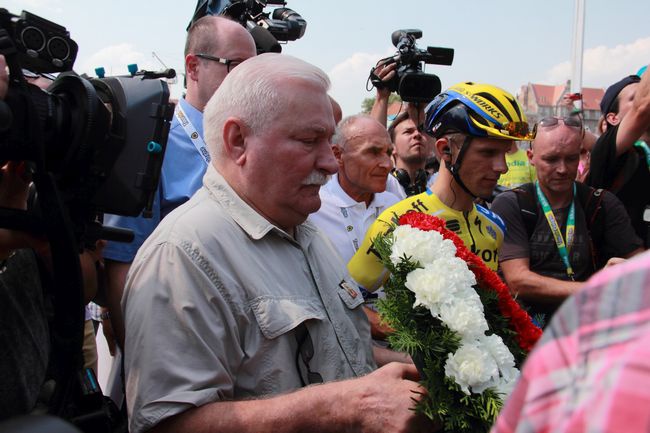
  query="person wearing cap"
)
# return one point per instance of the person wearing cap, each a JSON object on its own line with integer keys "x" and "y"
{"x": 559, "y": 231}
{"x": 620, "y": 159}
{"x": 473, "y": 126}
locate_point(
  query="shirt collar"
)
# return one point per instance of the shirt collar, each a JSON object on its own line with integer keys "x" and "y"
{"x": 341, "y": 198}
{"x": 254, "y": 224}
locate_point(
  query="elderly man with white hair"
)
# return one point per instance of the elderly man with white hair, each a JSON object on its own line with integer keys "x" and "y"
{"x": 235, "y": 303}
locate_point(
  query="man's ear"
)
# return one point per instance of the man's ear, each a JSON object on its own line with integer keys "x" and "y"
{"x": 338, "y": 154}
{"x": 192, "y": 67}
{"x": 443, "y": 148}
{"x": 235, "y": 133}
{"x": 613, "y": 118}
{"x": 530, "y": 154}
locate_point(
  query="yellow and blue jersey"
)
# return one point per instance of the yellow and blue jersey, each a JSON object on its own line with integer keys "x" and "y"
{"x": 481, "y": 230}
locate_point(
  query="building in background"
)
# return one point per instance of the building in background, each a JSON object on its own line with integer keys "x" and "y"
{"x": 541, "y": 100}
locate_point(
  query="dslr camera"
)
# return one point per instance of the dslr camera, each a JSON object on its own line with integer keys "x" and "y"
{"x": 410, "y": 82}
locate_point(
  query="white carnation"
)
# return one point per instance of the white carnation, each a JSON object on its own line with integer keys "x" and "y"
{"x": 464, "y": 316}
{"x": 429, "y": 288}
{"x": 441, "y": 281}
{"x": 505, "y": 361}
{"x": 419, "y": 246}
{"x": 499, "y": 351}
{"x": 473, "y": 368}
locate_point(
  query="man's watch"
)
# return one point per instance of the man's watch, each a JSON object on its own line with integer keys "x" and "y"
{"x": 104, "y": 315}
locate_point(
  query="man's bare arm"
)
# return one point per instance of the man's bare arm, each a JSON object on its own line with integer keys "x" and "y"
{"x": 637, "y": 121}
{"x": 379, "y": 109}
{"x": 533, "y": 287}
{"x": 379, "y": 402}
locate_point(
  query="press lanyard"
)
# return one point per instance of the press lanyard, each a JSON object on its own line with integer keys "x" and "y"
{"x": 644, "y": 146}
{"x": 555, "y": 228}
{"x": 192, "y": 133}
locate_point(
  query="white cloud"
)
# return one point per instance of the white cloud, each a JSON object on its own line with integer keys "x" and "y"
{"x": 603, "y": 65}
{"x": 349, "y": 80}
{"x": 115, "y": 59}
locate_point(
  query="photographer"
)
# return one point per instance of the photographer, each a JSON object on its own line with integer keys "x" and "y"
{"x": 24, "y": 333}
{"x": 403, "y": 73}
{"x": 25, "y": 308}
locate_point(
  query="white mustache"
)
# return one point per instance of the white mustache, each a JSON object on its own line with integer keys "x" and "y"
{"x": 316, "y": 178}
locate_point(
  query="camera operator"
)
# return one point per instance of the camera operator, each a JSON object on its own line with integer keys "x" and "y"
{"x": 25, "y": 308}
{"x": 25, "y": 333}
{"x": 411, "y": 148}
{"x": 214, "y": 46}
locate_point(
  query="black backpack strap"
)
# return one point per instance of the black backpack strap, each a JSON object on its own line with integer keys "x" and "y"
{"x": 528, "y": 205}
{"x": 591, "y": 201}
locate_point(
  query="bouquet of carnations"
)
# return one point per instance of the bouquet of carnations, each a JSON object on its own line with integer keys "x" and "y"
{"x": 457, "y": 320}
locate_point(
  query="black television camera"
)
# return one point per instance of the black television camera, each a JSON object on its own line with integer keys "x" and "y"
{"x": 267, "y": 29}
{"x": 410, "y": 82}
{"x": 92, "y": 145}
{"x": 102, "y": 139}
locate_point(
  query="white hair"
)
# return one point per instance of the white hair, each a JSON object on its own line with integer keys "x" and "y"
{"x": 250, "y": 93}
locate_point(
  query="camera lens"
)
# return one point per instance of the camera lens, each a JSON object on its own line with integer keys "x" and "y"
{"x": 32, "y": 38}
{"x": 58, "y": 48}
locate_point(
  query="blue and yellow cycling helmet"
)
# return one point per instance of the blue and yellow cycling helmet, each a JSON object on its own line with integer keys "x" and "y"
{"x": 478, "y": 110}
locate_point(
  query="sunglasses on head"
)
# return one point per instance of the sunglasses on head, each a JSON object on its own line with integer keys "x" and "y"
{"x": 572, "y": 121}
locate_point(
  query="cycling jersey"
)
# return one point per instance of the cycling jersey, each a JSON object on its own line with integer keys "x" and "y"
{"x": 481, "y": 230}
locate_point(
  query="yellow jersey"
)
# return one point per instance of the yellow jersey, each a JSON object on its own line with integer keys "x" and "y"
{"x": 481, "y": 230}
{"x": 519, "y": 170}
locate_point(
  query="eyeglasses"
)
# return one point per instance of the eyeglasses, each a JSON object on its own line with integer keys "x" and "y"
{"x": 306, "y": 353}
{"x": 573, "y": 121}
{"x": 230, "y": 64}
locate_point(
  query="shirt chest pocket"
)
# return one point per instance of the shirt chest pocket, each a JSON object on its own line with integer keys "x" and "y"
{"x": 350, "y": 294}
{"x": 279, "y": 315}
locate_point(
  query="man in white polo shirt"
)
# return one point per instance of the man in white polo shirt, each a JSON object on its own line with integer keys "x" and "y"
{"x": 356, "y": 195}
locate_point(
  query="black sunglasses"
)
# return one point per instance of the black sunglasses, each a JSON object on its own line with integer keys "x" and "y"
{"x": 230, "y": 64}
{"x": 573, "y": 121}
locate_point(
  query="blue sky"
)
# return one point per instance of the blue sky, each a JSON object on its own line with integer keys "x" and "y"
{"x": 503, "y": 42}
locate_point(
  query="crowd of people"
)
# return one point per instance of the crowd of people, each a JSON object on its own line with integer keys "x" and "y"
{"x": 247, "y": 303}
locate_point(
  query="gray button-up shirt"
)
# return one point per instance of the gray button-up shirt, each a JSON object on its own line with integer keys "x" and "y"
{"x": 212, "y": 303}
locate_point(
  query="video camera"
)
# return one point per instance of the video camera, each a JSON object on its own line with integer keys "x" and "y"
{"x": 102, "y": 139}
{"x": 92, "y": 145}
{"x": 267, "y": 29}
{"x": 410, "y": 82}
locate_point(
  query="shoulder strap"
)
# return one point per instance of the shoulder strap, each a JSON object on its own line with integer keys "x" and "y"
{"x": 528, "y": 205}
{"x": 591, "y": 201}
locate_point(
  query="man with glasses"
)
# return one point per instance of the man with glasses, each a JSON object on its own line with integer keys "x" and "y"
{"x": 620, "y": 160}
{"x": 214, "y": 46}
{"x": 559, "y": 231}
{"x": 473, "y": 126}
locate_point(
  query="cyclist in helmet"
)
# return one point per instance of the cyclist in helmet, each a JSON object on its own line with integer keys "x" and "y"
{"x": 473, "y": 126}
